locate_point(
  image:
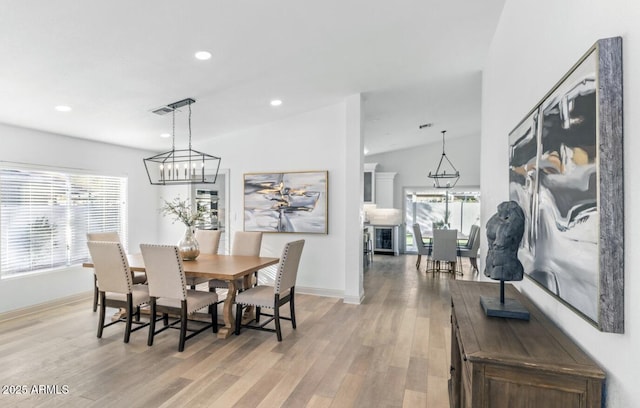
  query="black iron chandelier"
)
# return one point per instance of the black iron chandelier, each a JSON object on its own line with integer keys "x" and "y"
{"x": 442, "y": 178}
{"x": 181, "y": 166}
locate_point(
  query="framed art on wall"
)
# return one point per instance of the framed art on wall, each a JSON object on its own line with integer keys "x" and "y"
{"x": 566, "y": 173}
{"x": 286, "y": 202}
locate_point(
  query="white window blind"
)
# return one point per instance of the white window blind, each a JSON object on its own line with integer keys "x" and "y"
{"x": 45, "y": 215}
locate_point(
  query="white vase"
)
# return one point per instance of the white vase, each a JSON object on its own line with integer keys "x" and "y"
{"x": 188, "y": 246}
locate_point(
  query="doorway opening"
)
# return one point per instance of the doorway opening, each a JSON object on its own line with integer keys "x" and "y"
{"x": 457, "y": 208}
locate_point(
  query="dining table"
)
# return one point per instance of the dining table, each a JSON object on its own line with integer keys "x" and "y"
{"x": 229, "y": 268}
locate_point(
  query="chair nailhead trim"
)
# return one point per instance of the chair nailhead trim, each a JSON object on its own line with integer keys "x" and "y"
{"x": 125, "y": 267}
{"x": 180, "y": 267}
{"x": 281, "y": 268}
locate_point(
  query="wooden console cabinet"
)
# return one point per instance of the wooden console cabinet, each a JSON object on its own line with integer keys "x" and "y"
{"x": 497, "y": 362}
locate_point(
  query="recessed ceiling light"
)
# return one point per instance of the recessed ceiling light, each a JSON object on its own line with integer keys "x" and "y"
{"x": 276, "y": 102}
{"x": 165, "y": 135}
{"x": 63, "y": 108}
{"x": 203, "y": 55}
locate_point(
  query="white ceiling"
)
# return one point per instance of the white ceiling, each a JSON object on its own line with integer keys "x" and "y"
{"x": 414, "y": 61}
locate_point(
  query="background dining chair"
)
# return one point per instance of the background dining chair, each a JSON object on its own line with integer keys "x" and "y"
{"x": 209, "y": 242}
{"x": 245, "y": 243}
{"x": 445, "y": 249}
{"x": 116, "y": 287}
{"x": 112, "y": 236}
{"x": 272, "y": 297}
{"x": 472, "y": 234}
{"x": 470, "y": 250}
{"x": 168, "y": 293}
{"x": 421, "y": 247}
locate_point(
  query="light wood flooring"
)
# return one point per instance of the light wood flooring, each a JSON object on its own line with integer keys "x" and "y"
{"x": 390, "y": 351}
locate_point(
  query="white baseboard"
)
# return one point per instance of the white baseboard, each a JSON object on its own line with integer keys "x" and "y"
{"x": 13, "y": 314}
{"x": 354, "y": 300}
{"x": 320, "y": 292}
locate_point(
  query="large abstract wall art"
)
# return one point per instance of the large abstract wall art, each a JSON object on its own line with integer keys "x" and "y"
{"x": 566, "y": 174}
{"x": 286, "y": 202}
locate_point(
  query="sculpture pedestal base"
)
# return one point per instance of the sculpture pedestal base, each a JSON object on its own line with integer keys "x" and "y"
{"x": 511, "y": 308}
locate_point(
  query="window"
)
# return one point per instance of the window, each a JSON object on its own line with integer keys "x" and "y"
{"x": 45, "y": 215}
{"x": 435, "y": 209}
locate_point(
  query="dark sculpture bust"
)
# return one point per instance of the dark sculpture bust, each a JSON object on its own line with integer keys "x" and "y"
{"x": 504, "y": 233}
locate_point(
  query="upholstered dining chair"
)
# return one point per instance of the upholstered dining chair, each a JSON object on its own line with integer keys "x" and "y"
{"x": 421, "y": 247}
{"x": 272, "y": 297}
{"x": 111, "y": 236}
{"x": 116, "y": 286}
{"x": 245, "y": 243}
{"x": 472, "y": 234}
{"x": 168, "y": 293}
{"x": 470, "y": 250}
{"x": 209, "y": 242}
{"x": 445, "y": 250}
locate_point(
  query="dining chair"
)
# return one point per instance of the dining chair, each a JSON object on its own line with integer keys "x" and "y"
{"x": 116, "y": 286}
{"x": 111, "y": 236}
{"x": 245, "y": 243}
{"x": 470, "y": 250}
{"x": 272, "y": 297}
{"x": 209, "y": 242}
{"x": 444, "y": 250}
{"x": 421, "y": 247}
{"x": 168, "y": 293}
{"x": 472, "y": 234}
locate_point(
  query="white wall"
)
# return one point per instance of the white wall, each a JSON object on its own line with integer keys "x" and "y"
{"x": 535, "y": 44}
{"x": 413, "y": 165}
{"x": 311, "y": 141}
{"x": 315, "y": 140}
{"x": 34, "y": 147}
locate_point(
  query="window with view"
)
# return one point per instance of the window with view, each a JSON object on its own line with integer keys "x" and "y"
{"x": 437, "y": 209}
{"x": 45, "y": 215}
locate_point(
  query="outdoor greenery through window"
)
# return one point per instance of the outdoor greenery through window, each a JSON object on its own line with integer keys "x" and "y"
{"x": 45, "y": 215}
{"x": 435, "y": 209}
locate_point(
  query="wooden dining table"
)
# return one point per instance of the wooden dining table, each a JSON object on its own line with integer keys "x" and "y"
{"x": 225, "y": 267}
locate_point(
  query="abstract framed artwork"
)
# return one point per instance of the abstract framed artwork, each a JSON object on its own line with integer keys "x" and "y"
{"x": 565, "y": 171}
{"x": 286, "y": 202}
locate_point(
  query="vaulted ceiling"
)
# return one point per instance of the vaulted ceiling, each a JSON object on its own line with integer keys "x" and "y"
{"x": 113, "y": 62}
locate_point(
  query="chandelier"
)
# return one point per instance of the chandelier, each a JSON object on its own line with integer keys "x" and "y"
{"x": 442, "y": 179}
{"x": 181, "y": 166}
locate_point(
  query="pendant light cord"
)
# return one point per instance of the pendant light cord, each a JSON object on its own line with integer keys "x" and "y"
{"x": 173, "y": 139}
{"x": 189, "y": 127}
{"x": 173, "y": 130}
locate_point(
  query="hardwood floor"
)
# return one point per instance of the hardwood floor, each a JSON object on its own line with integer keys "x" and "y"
{"x": 390, "y": 351}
